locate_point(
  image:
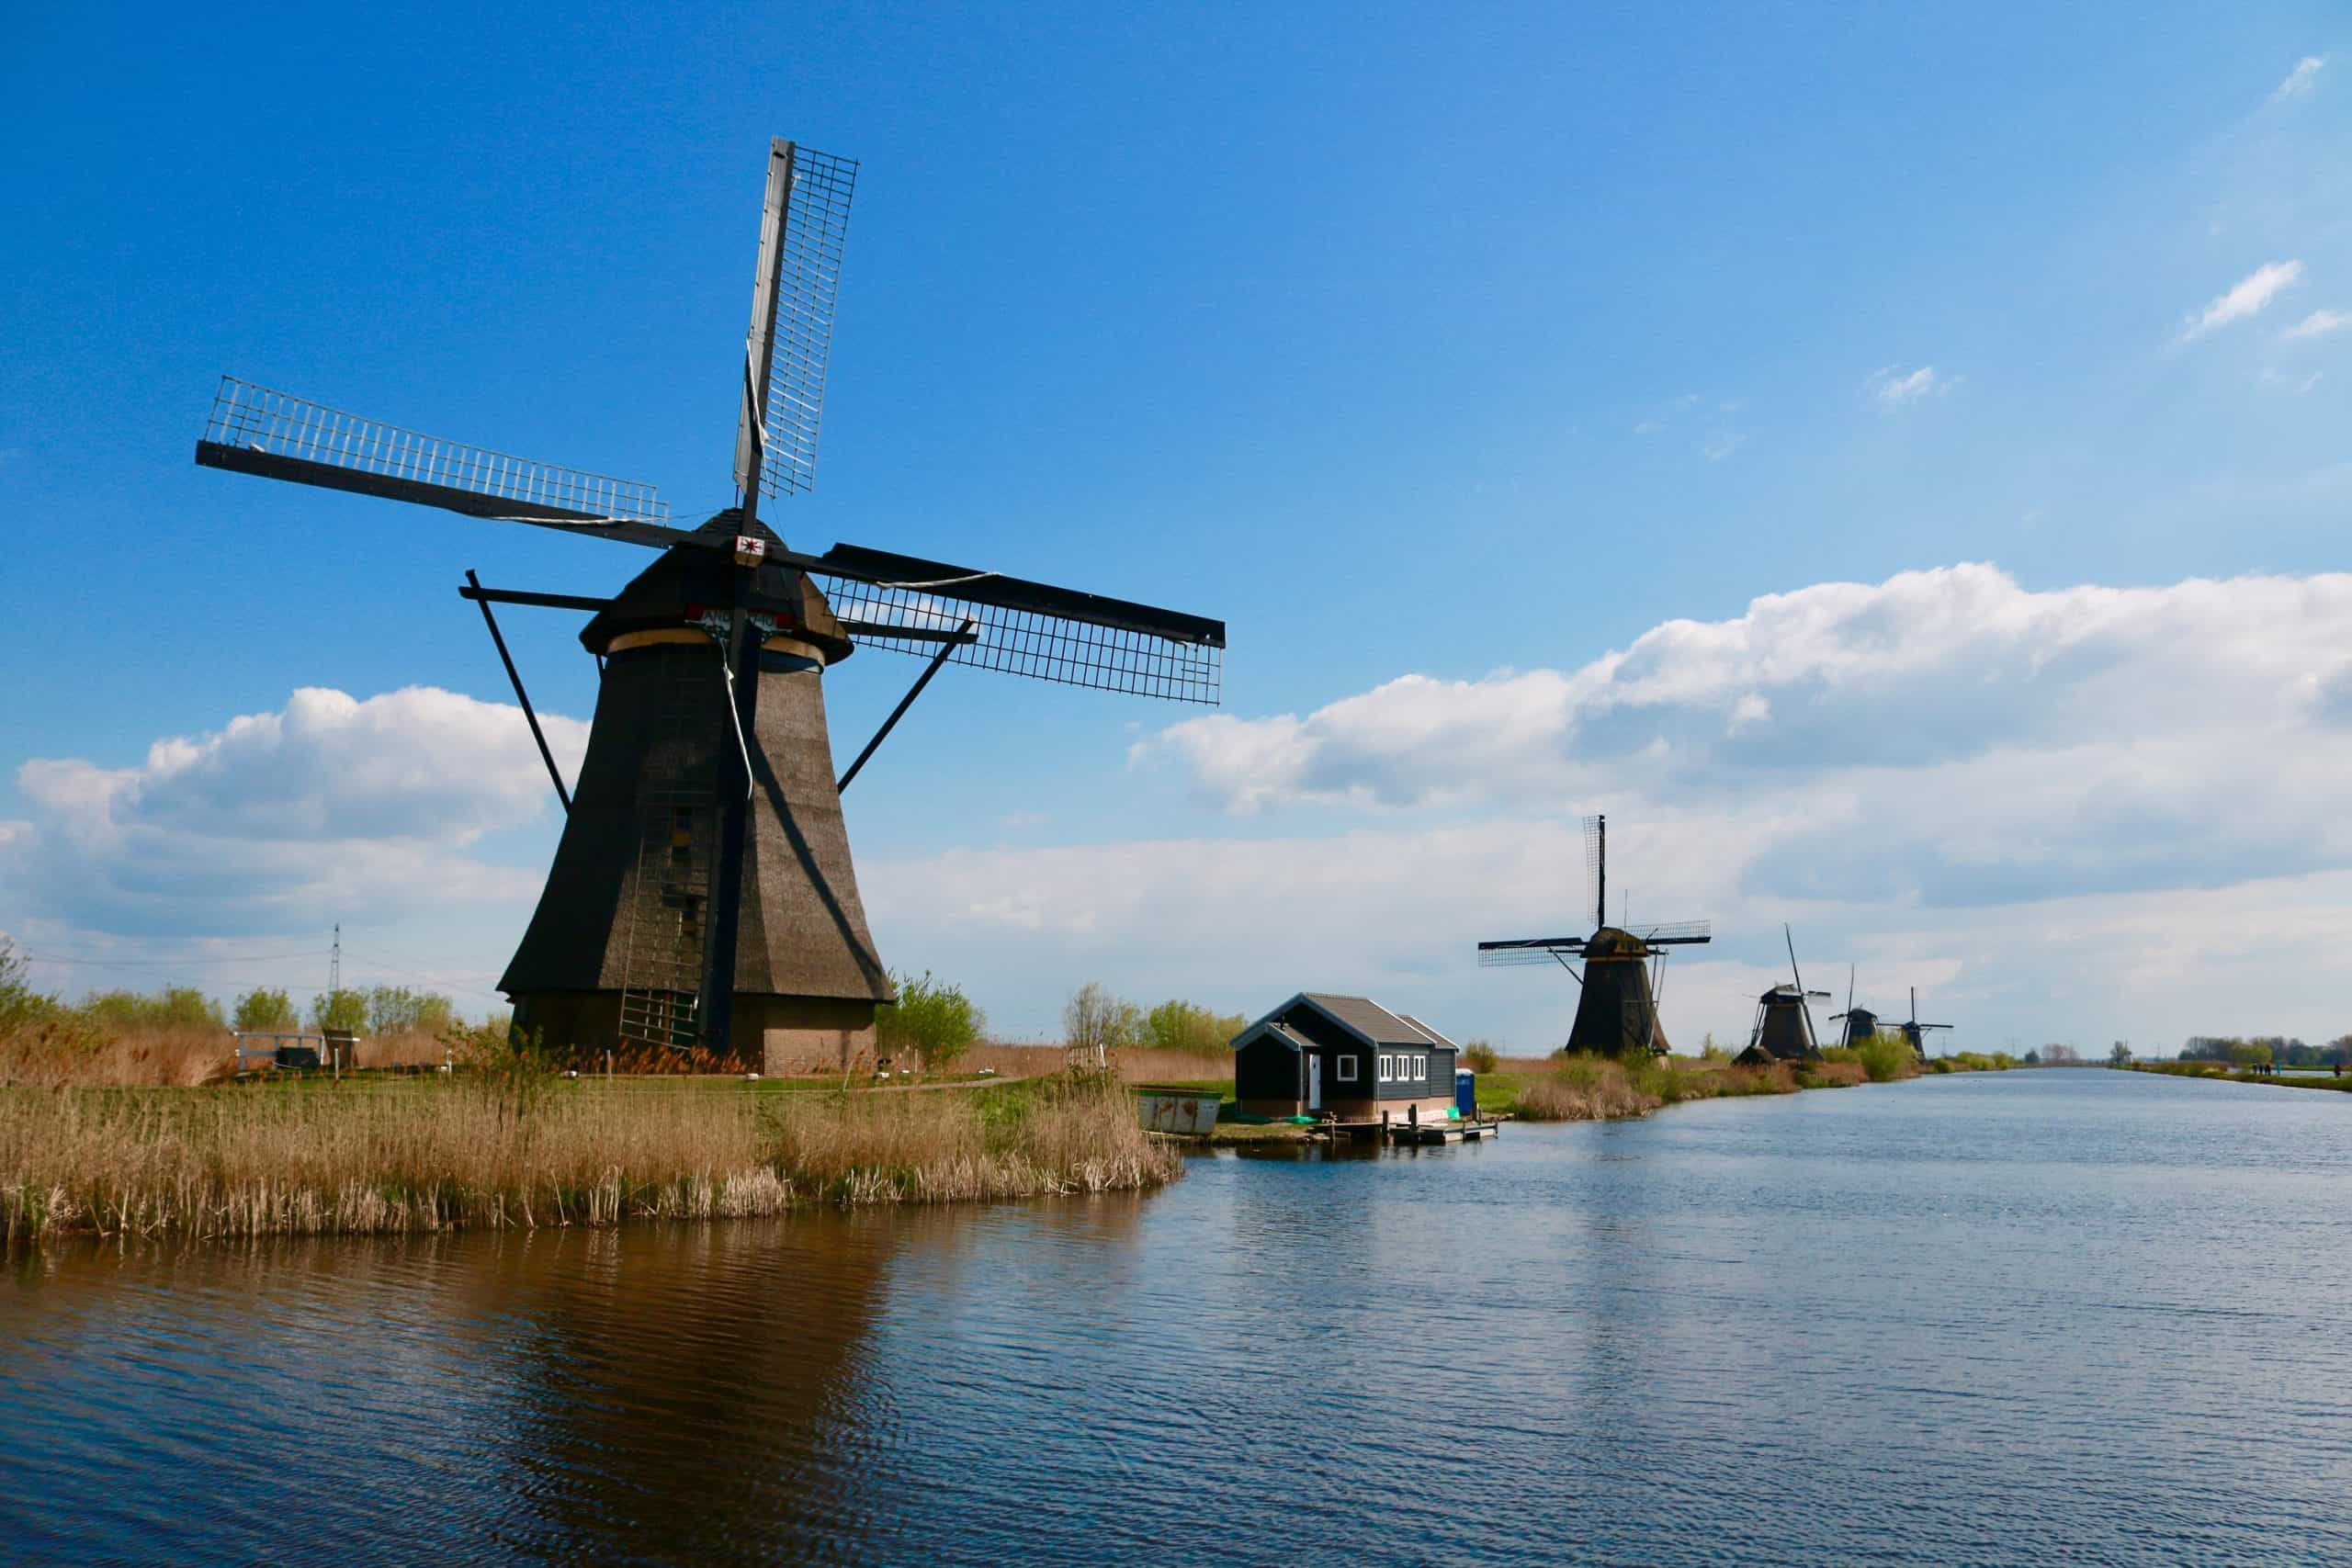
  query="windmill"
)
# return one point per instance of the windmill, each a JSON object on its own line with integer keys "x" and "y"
{"x": 702, "y": 894}
{"x": 1861, "y": 1024}
{"x": 1915, "y": 1032}
{"x": 1617, "y": 1004}
{"x": 1783, "y": 1029}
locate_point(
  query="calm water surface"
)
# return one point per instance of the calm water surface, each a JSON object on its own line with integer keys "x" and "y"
{"x": 2086, "y": 1317}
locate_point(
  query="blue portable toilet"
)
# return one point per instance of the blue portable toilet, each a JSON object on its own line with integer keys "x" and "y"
{"x": 1465, "y": 1093}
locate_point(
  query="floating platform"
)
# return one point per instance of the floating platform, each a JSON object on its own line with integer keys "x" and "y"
{"x": 1407, "y": 1133}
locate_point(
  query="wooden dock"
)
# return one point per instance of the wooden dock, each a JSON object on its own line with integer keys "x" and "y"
{"x": 1423, "y": 1134}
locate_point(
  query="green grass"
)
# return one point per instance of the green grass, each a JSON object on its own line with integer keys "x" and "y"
{"x": 2222, "y": 1072}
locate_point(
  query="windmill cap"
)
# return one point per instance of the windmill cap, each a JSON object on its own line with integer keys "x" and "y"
{"x": 673, "y": 590}
{"x": 1609, "y": 941}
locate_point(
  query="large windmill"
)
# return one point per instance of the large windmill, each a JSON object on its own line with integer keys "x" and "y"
{"x": 702, "y": 894}
{"x": 1617, "y": 1002}
{"x": 1784, "y": 1028}
{"x": 1915, "y": 1032}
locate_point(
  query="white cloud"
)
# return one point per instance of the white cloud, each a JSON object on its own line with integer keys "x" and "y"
{"x": 2294, "y": 384}
{"x": 1894, "y": 386}
{"x": 1722, "y": 443}
{"x": 2319, "y": 323}
{"x": 2301, "y": 80}
{"x": 2099, "y": 738}
{"x": 2246, "y": 297}
{"x": 330, "y": 802}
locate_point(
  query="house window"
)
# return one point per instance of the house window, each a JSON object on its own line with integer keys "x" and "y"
{"x": 1347, "y": 1068}
{"x": 1385, "y": 1067}
{"x": 1421, "y": 1069}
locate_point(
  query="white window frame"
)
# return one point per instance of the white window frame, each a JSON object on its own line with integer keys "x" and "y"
{"x": 1346, "y": 1073}
{"x": 1421, "y": 1069}
{"x": 1385, "y": 1069}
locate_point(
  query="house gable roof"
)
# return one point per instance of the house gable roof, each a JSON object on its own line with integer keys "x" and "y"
{"x": 1360, "y": 1018}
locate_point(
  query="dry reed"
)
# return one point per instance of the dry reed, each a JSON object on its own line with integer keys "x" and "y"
{"x": 1598, "y": 1088}
{"x": 435, "y": 1153}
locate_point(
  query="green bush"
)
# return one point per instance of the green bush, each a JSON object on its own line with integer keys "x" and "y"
{"x": 1191, "y": 1029}
{"x": 20, "y": 1005}
{"x": 393, "y": 1008}
{"x": 176, "y": 1006}
{"x": 932, "y": 1021}
{"x": 263, "y": 1008}
{"x": 1480, "y": 1057}
{"x": 1886, "y": 1056}
{"x": 340, "y": 1010}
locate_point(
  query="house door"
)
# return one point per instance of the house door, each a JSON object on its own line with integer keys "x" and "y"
{"x": 1314, "y": 1080}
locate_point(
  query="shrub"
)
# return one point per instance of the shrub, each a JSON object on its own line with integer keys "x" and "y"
{"x": 395, "y": 1008}
{"x": 263, "y": 1008}
{"x": 1480, "y": 1057}
{"x": 1191, "y": 1029}
{"x": 176, "y": 1006}
{"x": 1886, "y": 1058}
{"x": 932, "y": 1021}
{"x": 20, "y": 1005}
{"x": 1095, "y": 1023}
{"x": 340, "y": 1010}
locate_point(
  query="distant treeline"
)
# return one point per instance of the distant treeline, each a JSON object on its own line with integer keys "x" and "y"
{"x": 2277, "y": 1050}
{"x": 379, "y": 1009}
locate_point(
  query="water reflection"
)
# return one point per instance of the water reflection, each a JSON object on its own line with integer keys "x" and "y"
{"x": 2076, "y": 1314}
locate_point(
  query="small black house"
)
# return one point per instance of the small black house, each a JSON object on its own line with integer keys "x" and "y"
{"x": 1347, "y": 1056}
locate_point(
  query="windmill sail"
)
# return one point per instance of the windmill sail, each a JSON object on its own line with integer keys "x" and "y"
{"x": 257, "y": 430}
{"x": 886, "y": 600}
{"x": 802, "y": 231}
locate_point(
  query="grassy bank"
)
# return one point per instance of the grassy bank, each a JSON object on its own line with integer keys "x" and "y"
{"x": 315, "y": 1158}
{"x": 2226, "y": 1074}
{"x": 1596, "y": 1088}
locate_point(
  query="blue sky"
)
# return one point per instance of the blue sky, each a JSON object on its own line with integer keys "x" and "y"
{"x": 1420, "y": 345}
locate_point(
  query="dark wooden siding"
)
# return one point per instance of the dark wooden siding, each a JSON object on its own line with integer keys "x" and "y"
{"x": 1438, "y": 1082}
{"x": 1268, "y": 1069}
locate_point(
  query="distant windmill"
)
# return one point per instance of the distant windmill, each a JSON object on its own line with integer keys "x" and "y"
{"x": 1784, "y": 1018}
{"x": 1617, "y": 1007}
{"x": 1917, "y": 1033}
{"x": 702, "y": 894}
{"x": 1861, "y": 1024}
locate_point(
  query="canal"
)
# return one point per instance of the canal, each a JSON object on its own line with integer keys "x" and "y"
{"x": 2082, "y": 1315}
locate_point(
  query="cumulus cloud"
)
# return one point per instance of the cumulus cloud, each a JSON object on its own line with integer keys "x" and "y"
{"x": 2319, "y": 323}
{"x": 2301, "y": 80}
{"x": 277, "y": 815}
{"x": 1948, "y": 736}
{"x": 1894, "y": 386}
{"x": 2247, "y": 296}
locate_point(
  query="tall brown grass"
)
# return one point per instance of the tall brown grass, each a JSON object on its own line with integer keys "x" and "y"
{"x": 1136, "y": 1064}
{"x": 65, "y": 1049}
{"x": 1599, "y": 1088}
{"x": 435, "y": 1153}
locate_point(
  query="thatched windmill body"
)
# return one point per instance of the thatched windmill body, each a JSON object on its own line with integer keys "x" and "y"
{"x": 702, "y": 895}
{"x": 1783, "y": 1027}
{"x": 1623, "y": 966}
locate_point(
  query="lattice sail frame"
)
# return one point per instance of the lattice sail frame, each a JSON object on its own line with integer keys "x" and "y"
{"x": 278, "y": 424}
{"x": 1547, "y": 952}
{"x": 816, "y": 231}
{"x": 1044, "y": 646}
